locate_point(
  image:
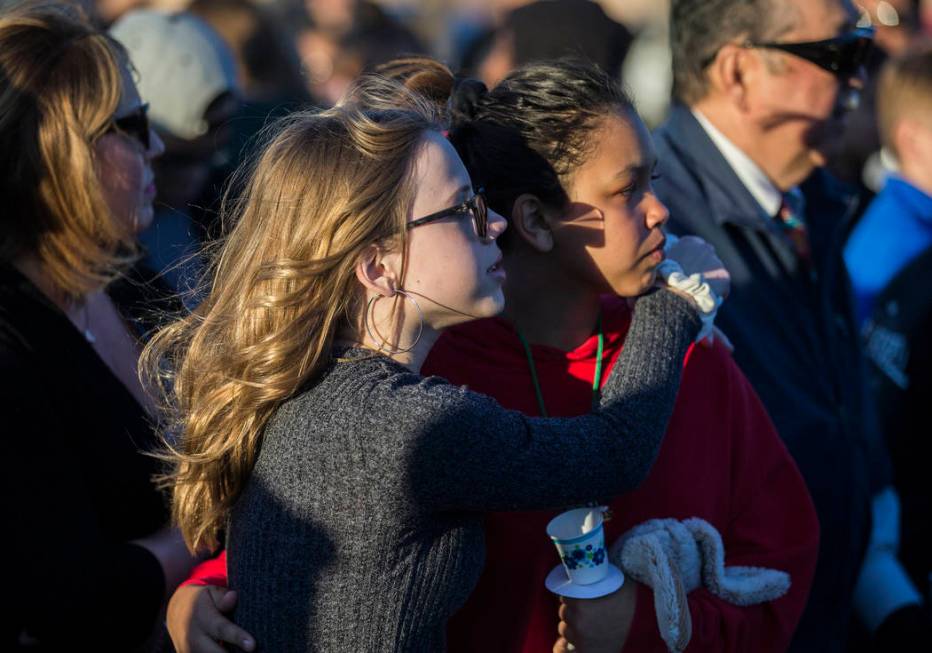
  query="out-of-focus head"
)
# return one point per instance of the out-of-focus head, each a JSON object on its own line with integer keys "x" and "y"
{"x": 550, "y": 29}
{"x": 782, "y": 72}
{"x": 904, "y": 111}
{"x": 188, "y": 75}
{"x": 80, "y": 185}
{"x": 267, "y": 63}
{"x": 332, "y": 16}
{"x": 335, "y": 56}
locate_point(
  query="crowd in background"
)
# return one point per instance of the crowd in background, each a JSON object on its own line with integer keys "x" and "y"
{"x": 810, "y": 175}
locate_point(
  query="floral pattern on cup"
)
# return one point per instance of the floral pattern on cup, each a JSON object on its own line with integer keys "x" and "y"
{"x": 580, "y": 541}
{"x": 581, "y": 557}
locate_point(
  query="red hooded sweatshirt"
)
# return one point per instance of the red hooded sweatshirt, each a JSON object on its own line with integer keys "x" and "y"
{"x": 721, "y": 460}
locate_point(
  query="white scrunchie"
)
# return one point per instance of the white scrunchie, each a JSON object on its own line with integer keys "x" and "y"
{"x": 696, "y": 287}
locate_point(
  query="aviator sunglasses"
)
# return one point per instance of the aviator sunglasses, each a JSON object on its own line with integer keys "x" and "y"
{"x": 135, "y": 124}
{"x": 475, "y": 206}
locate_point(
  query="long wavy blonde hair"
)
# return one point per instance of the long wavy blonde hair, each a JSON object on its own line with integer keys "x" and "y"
{"x": 60, "y": 84}
{"x": 282, "y": 285}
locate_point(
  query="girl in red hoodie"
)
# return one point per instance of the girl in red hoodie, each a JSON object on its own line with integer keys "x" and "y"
{"x": 564, "y": 156}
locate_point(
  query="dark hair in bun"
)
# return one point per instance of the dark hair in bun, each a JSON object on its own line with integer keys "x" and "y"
{"x": 464, "y": 103}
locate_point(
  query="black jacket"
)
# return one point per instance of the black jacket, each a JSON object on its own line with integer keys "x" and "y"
{"x": 77, "y": 483}
{"x": 899, "y": 348}
{"x": 795, "y": 339}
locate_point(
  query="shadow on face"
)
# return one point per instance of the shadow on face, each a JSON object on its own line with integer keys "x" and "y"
{"x": 801, "y": 104}
{"x": 607, "y": 235}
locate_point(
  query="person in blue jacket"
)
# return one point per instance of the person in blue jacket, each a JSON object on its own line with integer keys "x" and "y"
{"x": 889, "y": 258}
{"x": 897, "y": 227}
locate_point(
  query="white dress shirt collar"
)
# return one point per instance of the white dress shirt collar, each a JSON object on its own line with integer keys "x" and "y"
{"x": 758, "y": 184}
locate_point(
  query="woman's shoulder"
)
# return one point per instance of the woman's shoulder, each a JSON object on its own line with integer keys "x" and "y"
{"x": 364, "y": 389}
{"x": 363, "y": 416}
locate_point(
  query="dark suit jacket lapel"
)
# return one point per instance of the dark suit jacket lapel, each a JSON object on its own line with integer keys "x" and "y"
{"x": 731, "y": 201}
{"x": 736, "y": 211}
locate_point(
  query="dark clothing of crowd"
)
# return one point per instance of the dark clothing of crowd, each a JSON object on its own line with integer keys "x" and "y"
{"x": 793, "y": 329}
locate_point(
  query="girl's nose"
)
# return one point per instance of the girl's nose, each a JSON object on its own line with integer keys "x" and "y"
{"x": 497, "y": 224}
{"x": 656, "y": 211}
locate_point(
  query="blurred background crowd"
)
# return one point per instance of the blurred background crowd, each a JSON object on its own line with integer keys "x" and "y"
{"x": 246, "y": 62}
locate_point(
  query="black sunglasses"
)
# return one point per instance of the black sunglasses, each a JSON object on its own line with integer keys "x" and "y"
{"x": 135, "y": 124}
{"x": 842, "y": 56}
{"x": 475, "y": 206}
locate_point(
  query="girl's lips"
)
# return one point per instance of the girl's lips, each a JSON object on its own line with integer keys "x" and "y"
{"x": 657, "y": 256}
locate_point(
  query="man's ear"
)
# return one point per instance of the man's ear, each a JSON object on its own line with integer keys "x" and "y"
{"x": 529, "y": 218}
{"x": 376, "y": 270}
{"x": 730, "y": 72}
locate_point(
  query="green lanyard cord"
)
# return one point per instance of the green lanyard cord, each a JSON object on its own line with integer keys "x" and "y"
{"x": 596, "y": 378}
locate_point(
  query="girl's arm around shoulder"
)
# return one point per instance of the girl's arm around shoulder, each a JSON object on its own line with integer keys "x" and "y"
{"x": 462, "y": 450}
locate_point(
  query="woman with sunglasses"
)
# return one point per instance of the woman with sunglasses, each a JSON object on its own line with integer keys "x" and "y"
{"x": 82, "y": 513}
{"x": 571, "y": 249}
{"x": 351, "y": 488}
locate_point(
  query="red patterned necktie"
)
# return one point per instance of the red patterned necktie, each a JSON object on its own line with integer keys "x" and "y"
{"x": 790, "y": 220}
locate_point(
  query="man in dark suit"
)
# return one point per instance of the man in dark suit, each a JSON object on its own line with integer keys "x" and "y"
{"x": 761, "y": 89}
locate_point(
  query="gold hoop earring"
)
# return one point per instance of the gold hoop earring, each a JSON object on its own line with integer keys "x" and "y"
{"x": 383, "y": 346}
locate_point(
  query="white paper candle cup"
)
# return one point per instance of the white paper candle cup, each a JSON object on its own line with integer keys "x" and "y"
{"x": 580, "y": 541}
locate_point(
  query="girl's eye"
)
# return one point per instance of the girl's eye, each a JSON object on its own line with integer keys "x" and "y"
{"x": 642, "y": 182}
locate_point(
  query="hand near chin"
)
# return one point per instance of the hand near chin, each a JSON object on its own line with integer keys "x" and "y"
{"x": 695, "y": 255}
{"x": 693, "y": 270}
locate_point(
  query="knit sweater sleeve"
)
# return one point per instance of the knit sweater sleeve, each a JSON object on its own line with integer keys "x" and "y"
{"x": 472, "y": 454}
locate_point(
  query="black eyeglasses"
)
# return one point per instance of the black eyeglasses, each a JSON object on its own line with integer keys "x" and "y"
{"x": 475, "y": 206}
{"x": 135, "y": 124}
{"x": 842, "y": 56}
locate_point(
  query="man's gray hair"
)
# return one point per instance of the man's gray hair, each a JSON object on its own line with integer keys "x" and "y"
{"x": 699, "y": 29}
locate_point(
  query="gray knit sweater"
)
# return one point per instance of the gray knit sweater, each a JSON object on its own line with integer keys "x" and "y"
{"x": 360, "y": 528}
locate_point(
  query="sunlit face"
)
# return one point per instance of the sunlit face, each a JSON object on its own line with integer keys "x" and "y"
{"x": 798, "y": 106}
{"x": 610, "y": 236}
{"x": 454, "y": 275}
{"x": 124, "y": 165}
